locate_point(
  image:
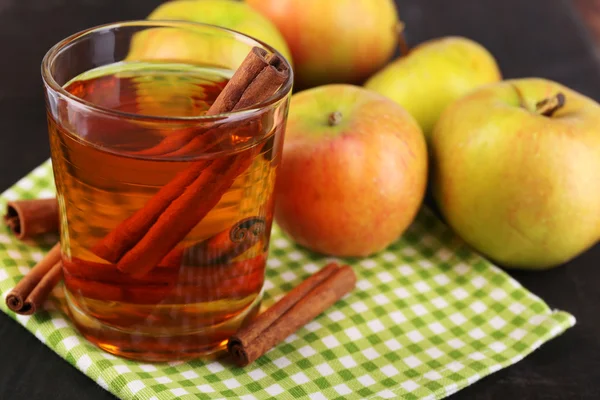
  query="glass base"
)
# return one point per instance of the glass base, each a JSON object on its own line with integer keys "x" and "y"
{"x": 209, "y": 342}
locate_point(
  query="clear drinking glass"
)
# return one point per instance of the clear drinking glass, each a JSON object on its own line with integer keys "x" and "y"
{"x": 165, "y": 213}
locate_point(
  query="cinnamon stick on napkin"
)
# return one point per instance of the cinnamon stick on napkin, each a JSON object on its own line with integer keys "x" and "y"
{"x": 300, "y": 306}
{"x": 31, "y": 291}
{"x": 30, "y": 218}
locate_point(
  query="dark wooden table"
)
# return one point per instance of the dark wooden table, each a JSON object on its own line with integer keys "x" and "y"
{"x": 529, "y": 37}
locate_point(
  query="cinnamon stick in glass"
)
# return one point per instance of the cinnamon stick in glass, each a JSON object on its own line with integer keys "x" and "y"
{"x": 30, "y": 218}
{"x": 144, "y": 239}
{"x": 254, "y": 81}
{"x": 33, "y": 289}
{"x": 300, "y": 306}
{"x": 180, "y": 217}
{"x": 130, "y": 231}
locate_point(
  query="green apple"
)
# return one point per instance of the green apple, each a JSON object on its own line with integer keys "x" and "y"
{"x": 163, "y": 43}
{"x": 516, "y": 171}
{"x": 433, "y": 75}
{"x": 353, "y": 171}
{"x": 335, "y": 41}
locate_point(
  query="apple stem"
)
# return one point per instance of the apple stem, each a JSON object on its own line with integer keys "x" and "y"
{"x": 520, "y": 96}
{"x": 550, "y": 105}
{"x": 334, "y": 118}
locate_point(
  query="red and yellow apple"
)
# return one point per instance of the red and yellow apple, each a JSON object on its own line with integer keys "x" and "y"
{"x": 516, "y": 171}
{"x": 335, "y": 41}
{"x": 353, "y": 171}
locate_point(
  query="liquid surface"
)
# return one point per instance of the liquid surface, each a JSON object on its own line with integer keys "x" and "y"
{"x": 202, "y": 256}
{"x": 151, "y": 89}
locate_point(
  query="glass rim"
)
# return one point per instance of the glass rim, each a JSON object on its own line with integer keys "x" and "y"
{"x": 63, "y": 44}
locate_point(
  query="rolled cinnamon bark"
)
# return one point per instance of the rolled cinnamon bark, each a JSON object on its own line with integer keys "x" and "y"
{"x": 226, "y": 245}
{"x": 32, "y": 290}
{"x": 264, "y": 85}
{"x": 40, "y": 293}
{"x": 253, "y": 65}
{"x": 259, "y": 75}
{"x": 296, "y": 309}
{"x": 140, "y": 242}
{"x": 30, "y": 218}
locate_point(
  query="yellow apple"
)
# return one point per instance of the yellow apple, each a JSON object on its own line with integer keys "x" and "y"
{"x": 516, "y": 171}
{"x": 335, "y": 41}
{"x": 195, "y": 45}
{"x": 353, "y": 171}
{"x": 433, "y": 75}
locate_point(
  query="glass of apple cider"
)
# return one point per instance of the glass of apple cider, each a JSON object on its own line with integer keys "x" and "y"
{"x": 165, "y": 207}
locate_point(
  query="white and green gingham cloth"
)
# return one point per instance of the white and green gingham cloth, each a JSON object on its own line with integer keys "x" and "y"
{"x": 427, "y": 318}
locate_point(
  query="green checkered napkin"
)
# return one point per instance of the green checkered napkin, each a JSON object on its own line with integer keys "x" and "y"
{"x": 428, "y": 317}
